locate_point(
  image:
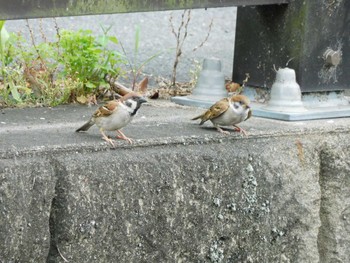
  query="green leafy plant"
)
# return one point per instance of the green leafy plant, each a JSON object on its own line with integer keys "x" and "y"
{"x": 40, "y": 64}
{"x": 88, "y": 58}
{"x": 55, "y": 72}
{"x": 11, "y": 77}
{"x": 110, "y": 59}
{"x": 4, "y": 36}
{"x": 14, "y": 86}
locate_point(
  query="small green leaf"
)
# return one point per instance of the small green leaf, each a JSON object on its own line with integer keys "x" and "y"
{"x": 137, "y": 39}
{"x": 4, "y": 36}
{"x": 14, "y": 92}
{"x": 103, "y": 41}
{"x": 113, "y": 39}
{"x": 90, "y": 85}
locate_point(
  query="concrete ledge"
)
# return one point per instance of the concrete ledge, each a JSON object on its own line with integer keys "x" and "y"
{"x": 50, "y": 8}
{"x": 181, "y": 193}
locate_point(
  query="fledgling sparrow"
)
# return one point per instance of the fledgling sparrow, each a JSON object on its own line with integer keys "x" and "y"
{"x": 227, "y": 112}
{"x": 115, "y": 115}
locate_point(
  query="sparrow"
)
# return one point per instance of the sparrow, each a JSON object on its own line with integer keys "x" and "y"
{"x": 114, "y": 115}
{"x": 233, "y": 87}
{"x": 236, "y": 88}
{"x": 227, "y": 112}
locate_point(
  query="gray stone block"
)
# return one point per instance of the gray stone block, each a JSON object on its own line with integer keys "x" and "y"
{"x": 181, "y": 193}
{"x": 334, "y": 236}
{"x": 199, "y": 203}
{"x": 26, "y": 192}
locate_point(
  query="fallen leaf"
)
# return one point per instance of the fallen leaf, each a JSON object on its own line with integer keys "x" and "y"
{"x": 155, "y": 95}
{"x": 82, "y": 99}
{"x": 142, "y": 86}
{"x": 92, "y": 100}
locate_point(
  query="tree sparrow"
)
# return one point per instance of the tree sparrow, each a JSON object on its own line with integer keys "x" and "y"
{"x": 226, "y": 112}
{"x": 115, "y": 115}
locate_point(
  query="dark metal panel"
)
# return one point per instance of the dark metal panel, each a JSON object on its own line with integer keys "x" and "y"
{"x": 301, "y": 33}
{"x": 18, "y": 9}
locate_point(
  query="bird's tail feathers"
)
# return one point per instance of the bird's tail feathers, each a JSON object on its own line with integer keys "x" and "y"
{"x": 199, "y": 117}
{"x": 196, "y": 118}
{"x": 86, "y": 126}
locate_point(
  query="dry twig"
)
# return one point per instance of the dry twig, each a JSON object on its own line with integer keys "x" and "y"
{"x": 180, "y": 35}
{"x": 59, "y": 252}
{"x": 206, "y": 38}
{"x": 180, "y": 39}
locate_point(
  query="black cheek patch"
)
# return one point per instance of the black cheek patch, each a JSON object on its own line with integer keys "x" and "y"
{"x": 128, "y": 103}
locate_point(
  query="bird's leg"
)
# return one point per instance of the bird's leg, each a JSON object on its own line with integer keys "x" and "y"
{"x": 105, "y": 137}
{"x": 240, "y": 130}
{"x": 123, "y": 137}
{"x": 222, "y": 131}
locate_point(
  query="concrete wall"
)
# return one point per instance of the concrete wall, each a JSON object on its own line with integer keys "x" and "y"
{"x": 282, "y": 198}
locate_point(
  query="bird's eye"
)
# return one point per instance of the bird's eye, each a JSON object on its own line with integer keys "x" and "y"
{"x": 128, "y": 103}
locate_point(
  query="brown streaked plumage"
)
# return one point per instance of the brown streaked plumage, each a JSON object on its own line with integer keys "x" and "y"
{"x": 228, "y": 112}
{"x": 114, "y": 115}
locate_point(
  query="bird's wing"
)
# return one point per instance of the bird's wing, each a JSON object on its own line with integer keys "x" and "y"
{"x": 106, "y": 109}
{"x": 250, "y": 113}
{"x": 216, "y": 110}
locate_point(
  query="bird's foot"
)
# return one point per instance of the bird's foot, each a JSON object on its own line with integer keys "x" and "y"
{"x": 240, "y": 130}
{"x": 123, "y": 137}
{"x": 109, "y": 140}
{"x": 106, "y": 138}
{"x": 222, "y": 131}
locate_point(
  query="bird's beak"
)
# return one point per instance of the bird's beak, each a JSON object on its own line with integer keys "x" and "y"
{"x": 142, "y": 100}
{"x": 247, "y": 106}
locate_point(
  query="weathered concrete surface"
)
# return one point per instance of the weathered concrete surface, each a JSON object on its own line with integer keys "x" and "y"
{"x": 334, "y": 236}
{"x": 51, "y": 8}
{"x": 26, "y": 192}
{"x": 181, "y": 193}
